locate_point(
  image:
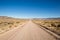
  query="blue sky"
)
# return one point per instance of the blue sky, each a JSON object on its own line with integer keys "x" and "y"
{"x": 30, "y": 8}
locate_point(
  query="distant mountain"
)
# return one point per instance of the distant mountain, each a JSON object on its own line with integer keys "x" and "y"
{"x": 48, "y": 18}
{"x": 5, "y": 17}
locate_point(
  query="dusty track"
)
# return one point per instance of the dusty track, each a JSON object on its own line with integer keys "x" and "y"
{"x": 29, "y": 31}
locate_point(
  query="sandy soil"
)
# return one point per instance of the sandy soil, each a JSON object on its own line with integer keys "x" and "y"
{"x": 29, "y": 31}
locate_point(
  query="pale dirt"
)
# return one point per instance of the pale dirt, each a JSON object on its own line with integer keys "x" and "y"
{"x": 29, "y": 31}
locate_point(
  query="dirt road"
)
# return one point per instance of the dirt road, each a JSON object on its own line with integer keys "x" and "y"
{"x": 29, "y": 31}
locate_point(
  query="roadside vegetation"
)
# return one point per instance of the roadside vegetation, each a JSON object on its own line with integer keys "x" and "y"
{"x": 7, "y": 23}
{"x": 51, "y": 24}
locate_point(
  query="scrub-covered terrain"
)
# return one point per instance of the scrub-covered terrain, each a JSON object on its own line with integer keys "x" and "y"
{"x": 8, "y": 23}
{"x": 52, "y": 24}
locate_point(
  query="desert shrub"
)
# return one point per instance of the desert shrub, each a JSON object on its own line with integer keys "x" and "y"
{"x": 10, "y": 23}
{"x": 5, "y": 23}
{"x": 52, "y": 24}
{"x": 10, "y": 26}
{"x": 58, "y": 25}
{"x": 17, "y": 22}
{"x": 45, "y": 22}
